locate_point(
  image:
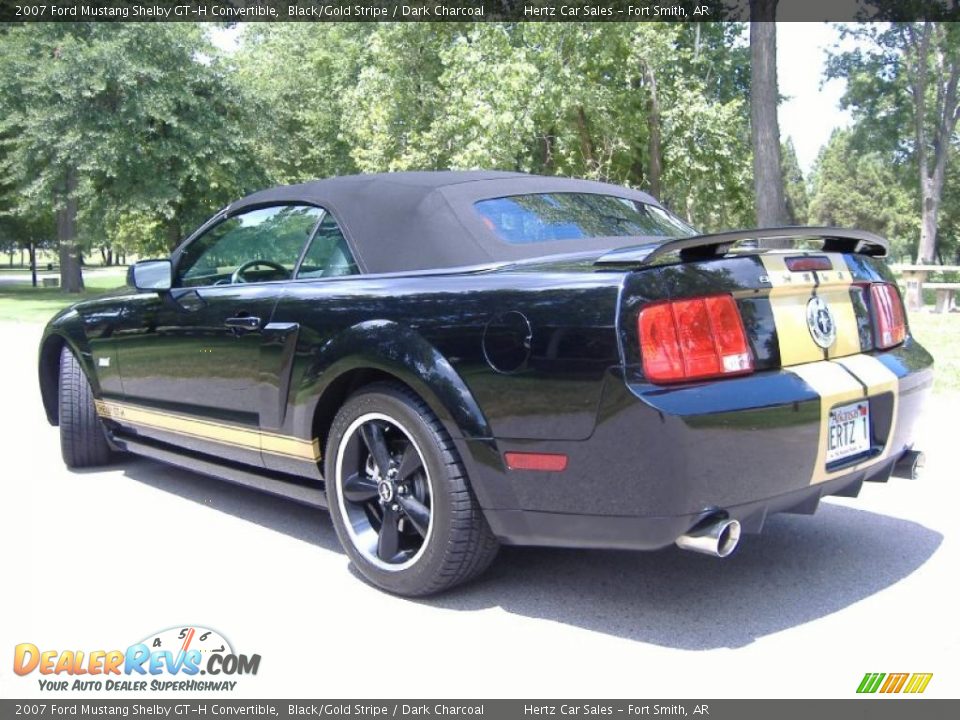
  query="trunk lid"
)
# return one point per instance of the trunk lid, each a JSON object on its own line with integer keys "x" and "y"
{"x": 800, "y": 320}
{"x": 791, "y": 315}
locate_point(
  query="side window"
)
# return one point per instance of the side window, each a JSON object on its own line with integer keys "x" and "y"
{"x": 328, "y": 254}
{"x": 255, "y": 246}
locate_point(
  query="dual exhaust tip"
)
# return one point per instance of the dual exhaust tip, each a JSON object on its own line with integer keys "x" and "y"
{"x": 910, "y": 465}
{"x": 718, "y": 538}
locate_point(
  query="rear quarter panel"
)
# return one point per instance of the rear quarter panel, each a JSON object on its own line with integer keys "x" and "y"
{"x": 430, "y": 332}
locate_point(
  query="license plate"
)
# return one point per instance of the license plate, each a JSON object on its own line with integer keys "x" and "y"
{"x": 848, "y": 433}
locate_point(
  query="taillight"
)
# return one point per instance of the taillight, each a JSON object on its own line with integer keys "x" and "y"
{"x": 693, "y": 339}
{"x": 889, "y": 321}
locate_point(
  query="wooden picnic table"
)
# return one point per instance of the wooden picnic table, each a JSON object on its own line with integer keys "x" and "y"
{"x": 915, "y": 279}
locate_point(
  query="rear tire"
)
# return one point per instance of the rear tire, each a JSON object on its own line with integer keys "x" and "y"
{"x": 443, "y": 537}
{"x": 83, "y": 442}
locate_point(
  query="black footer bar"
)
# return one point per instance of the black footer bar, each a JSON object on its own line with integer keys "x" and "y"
{"x": 212, "y": 708}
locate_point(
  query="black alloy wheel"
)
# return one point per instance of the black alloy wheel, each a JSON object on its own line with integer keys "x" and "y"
{"x": 399, "y": 497}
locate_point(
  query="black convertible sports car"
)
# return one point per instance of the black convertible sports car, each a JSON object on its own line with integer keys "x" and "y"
{"x": 453, "y": 360}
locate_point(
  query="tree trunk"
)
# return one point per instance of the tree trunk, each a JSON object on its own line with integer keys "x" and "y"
{"x": 71, "y": 276}
{"x": 931, "y": 192}
{"x": 586, "y": 142}
{"x": 33, "y": 264}
{"x": 764, "y": 127}
{"x": 546, "y": 149}
{"x": 109, "y": 257}
{"x": 654, "y": 149}
{"x": 173, "y": 234}
{"x": 917, "y": 73}
{"x": 929, "y": 209}
{"x": 946, "y": 112}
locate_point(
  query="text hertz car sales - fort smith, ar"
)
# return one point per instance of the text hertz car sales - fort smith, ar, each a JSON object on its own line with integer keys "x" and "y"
{"x": 171, "y": 659}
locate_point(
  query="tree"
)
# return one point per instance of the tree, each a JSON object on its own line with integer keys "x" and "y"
{"x": 765, "y": 128}
{"x": 398, "y": 97}
{"x": 106, "y": 119}
{"x": 859, "y": 188}
{"x": 295, "y": 79}
{"x": 796, "y": 195}
{"x": 27, "y": 232}
{"x": 658, "y": 107}
{"x": 902, "y": 86}
{"x": 948, "y": 221}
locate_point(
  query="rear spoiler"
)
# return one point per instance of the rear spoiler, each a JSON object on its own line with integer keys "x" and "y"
{"x": 704, "y": 247}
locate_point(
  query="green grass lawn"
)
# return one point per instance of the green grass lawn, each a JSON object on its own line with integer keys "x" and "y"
{"x": 21, "y": 302}
{"x": 940, "y": 334}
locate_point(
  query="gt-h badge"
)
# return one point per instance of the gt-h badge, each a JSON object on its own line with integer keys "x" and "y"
{"x": 823, "y": 328}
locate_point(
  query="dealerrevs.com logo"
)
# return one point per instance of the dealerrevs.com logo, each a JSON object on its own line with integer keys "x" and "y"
{"x": 178, "y": 658}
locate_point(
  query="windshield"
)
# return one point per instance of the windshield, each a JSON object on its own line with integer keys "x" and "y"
{"x": 544, "y": 217}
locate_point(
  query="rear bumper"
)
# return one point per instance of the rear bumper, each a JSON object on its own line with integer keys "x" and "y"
{"x": 660, "y": 460}
{"x": 530, "y": 527}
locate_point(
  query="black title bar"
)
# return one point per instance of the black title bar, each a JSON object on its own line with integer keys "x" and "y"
{"x": 469, "y": 10}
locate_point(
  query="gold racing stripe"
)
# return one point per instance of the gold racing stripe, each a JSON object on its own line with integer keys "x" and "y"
{"x": 221, "y": 433}
{"x": 789, "y": 294}
{"x": 834, "y": 287}
{"x": 836, "y": 386}
{"x": 879, "y": 379}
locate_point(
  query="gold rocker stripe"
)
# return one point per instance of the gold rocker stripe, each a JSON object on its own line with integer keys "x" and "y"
{"x": 221, "y": 433}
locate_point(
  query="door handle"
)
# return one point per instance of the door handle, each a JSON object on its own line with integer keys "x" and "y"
{"x": 243, "y": 322}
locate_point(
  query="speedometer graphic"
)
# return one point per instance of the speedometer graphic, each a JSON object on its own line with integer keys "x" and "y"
{"x": 184, "y": 638}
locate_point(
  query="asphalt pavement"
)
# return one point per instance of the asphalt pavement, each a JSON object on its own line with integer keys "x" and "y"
{"x": 101, "y": 559}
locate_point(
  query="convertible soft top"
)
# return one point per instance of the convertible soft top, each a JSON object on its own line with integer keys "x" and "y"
{"x": 403, "y": 221}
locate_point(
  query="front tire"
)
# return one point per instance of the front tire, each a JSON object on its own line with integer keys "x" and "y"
{"x": 414, "y": 528}
{"x": 83, "y": 442}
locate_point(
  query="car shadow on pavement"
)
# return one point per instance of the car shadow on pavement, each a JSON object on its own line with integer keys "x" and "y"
{"x": 301, "y": 522}
{"x": 798, "y": 570}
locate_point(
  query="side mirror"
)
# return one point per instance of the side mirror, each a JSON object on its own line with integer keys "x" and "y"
{"x": 151, "y": 275}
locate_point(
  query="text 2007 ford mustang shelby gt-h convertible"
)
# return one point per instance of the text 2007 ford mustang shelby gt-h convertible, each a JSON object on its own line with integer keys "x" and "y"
{"x": 453, "y": 360}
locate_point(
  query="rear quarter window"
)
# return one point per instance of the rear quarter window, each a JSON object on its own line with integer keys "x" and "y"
{"x": 547, "y": 217}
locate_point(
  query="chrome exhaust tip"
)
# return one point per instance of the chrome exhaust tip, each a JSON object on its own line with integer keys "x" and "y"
{"x": 910, "y": 465}
{"x": 718, "y": 538}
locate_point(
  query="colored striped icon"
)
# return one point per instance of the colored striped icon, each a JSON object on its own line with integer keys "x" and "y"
{"x": 894, "y": 682}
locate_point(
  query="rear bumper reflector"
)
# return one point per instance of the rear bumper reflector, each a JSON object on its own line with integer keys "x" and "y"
{"x": 546, "y": 462}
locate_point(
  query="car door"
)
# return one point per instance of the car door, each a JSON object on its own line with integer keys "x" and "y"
{"x": 308, "y": 314}
{"x": 191, "y": 358}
